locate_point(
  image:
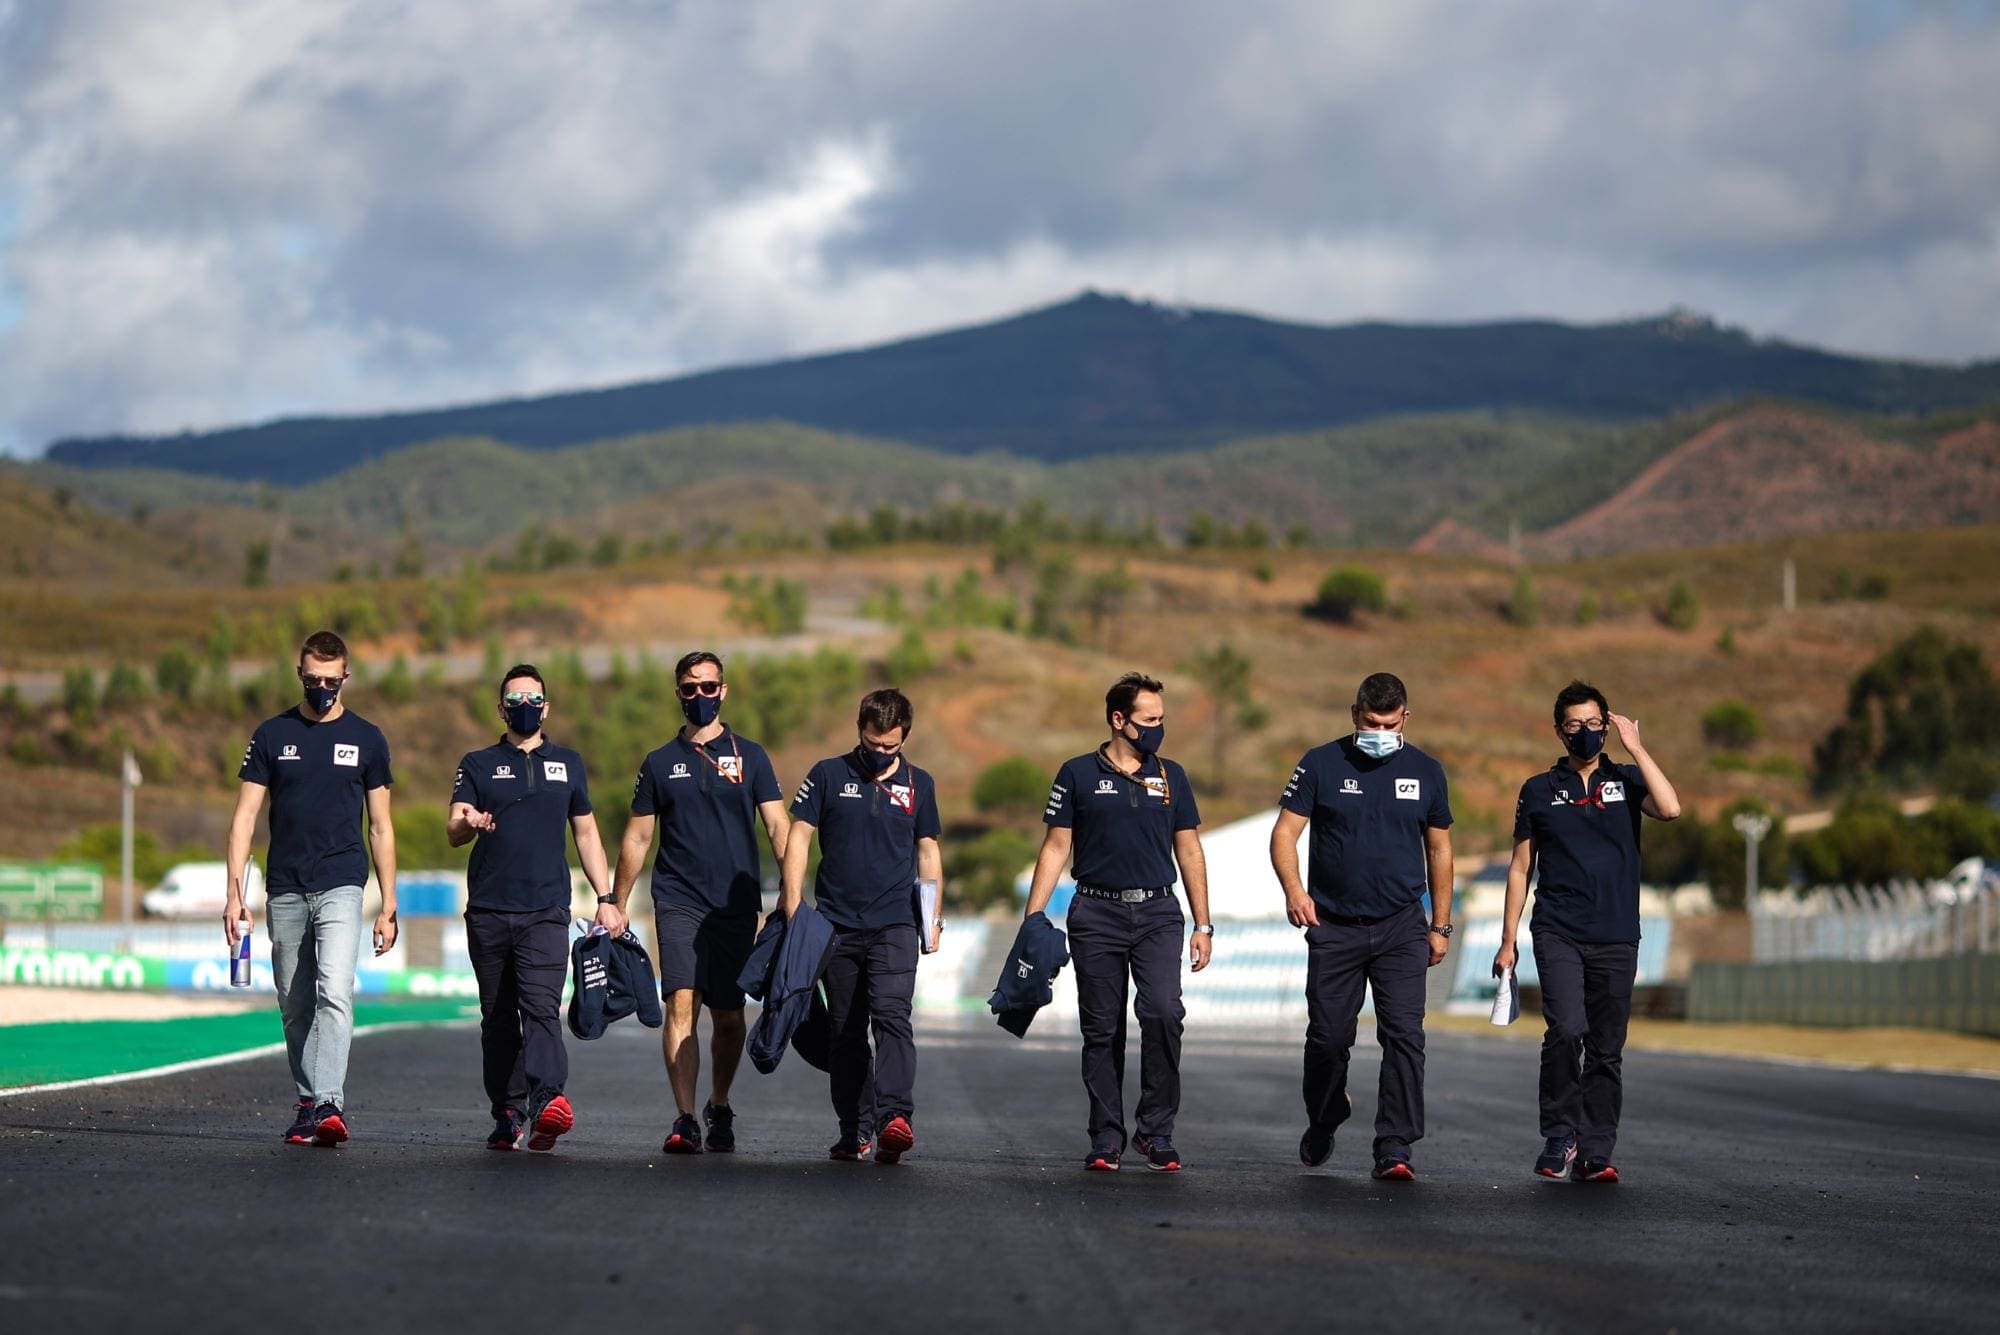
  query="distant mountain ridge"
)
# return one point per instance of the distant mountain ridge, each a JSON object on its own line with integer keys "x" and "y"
{"x": 1101, "y": 374}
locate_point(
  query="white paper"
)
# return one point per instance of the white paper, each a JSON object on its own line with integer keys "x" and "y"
{"x": 1507, "y": 1000}
{"x": 927, "y": 915}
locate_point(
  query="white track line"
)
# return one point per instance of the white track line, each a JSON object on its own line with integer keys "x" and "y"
{"x": 203, "y": 1063}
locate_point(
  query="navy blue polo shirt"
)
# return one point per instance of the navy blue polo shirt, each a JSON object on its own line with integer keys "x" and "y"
{"x": 319, "y": 775}
{"x": 522, "y": 864}
{"x": 1586, "y": 837}
{"x": 705, "y": 799}
{"x": 1124, "y": 824}
{"x": 1367, "y": 818}
{"x": 868, "y": 834}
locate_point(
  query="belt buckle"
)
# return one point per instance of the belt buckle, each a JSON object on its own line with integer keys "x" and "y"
{"x": 1135, "y": 896}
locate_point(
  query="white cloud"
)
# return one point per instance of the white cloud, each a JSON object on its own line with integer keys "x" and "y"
{"x": 225, "y": 209}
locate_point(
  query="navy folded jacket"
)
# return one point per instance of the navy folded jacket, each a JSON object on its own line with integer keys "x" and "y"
{"x": 1028, "y": 982}
{"x": 613, "y": 979}
{"x": 783, "y": 972}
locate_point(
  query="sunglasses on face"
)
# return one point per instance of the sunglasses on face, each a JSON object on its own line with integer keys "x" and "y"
{"x": 1575, "y": 726}
{"x": 524, "y": 698}
{"x": 323, "y": 683}
{"x": 690, "y": 689}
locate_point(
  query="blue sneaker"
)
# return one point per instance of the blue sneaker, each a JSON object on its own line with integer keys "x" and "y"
{"x": 300, "y": 1132}
{"x": 329, "y": 1125}
{"x": 1558, "y": 1153}
{"x": 1161, "y": 1156}
{"x": 1103, "y": 1159}
{"x": 721, "y": 1127}
{"x": 685, "y": 1138}
{"x": 507, "y": 1128}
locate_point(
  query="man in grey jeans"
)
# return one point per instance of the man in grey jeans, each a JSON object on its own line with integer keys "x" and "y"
{"x": 321, "y": 765}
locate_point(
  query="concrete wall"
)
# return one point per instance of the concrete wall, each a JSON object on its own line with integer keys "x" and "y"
{"x": 1959, "y": 992}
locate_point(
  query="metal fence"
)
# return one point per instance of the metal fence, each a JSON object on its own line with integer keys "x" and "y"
{"x": 1904, "y": 920}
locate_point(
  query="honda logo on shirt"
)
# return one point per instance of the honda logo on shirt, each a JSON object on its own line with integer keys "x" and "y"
{"x": 345, "y": 753}
{"x": 680, "y": 771}
{"x": 1106, "y": 786}
{"x": 1410, "y": 790}
{"x": 1350, "y": 785}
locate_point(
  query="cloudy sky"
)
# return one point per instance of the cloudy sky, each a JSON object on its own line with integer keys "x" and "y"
{"x": 214, "y": 211}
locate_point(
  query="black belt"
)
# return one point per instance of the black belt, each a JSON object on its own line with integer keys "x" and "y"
{"x": 1138, "y": 896}
{"x": 1348, "y": 920}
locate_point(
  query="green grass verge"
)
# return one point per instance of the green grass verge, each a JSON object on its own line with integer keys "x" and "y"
{"x": 39, "y": 1054}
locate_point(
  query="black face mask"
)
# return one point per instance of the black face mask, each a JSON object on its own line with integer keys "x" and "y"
{"x": 1583, "y": 743}
{"x": 525, "y": 719}
{"x": 876, "y": 762}
{"x": 1150, "y": 737}
{"x": 701, "y": 710}
{"x": 320, "y": 698}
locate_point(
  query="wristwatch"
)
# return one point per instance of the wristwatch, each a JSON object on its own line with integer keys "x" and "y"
{"x": 1444, "y": 931}
{"x": 1205, "y": 928}
{"x": 607, "y": 899}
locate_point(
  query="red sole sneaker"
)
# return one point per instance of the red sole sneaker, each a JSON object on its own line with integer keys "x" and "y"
{"x": 1099, "y": 1164}
{"x": 680, "y": 1145}
{"x": 553, "y": 1120}
{"x": 1396, "y": 1172}
{"x": 895, "y": 1140}
{"x": 330, "y": 1132}
{"x": 1606, "y": 1175}
{"x": 842, "y": 1156}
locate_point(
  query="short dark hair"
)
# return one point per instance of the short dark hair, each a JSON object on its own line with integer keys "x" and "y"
{"x": 884, "y": 711}
{"x": 689, "y": 662}
{"x": 1381, "y": 692}
{"x": 523, "y": 670}
{"x": 323, "y": 644}
{"x": 1579, "y": 693}
{"x": 1125, "y": 692}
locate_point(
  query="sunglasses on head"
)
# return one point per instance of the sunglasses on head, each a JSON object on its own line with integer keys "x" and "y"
{"x": 323, "y": 683}
{"x": 524, "y": 698}
{"x": 690, "y": 689}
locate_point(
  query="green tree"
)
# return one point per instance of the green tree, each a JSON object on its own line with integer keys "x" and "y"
{"x": 608, "y": 551}
{"x": 1014, "y": 788}
{"x": 909, "y": 659}
{"x": 125, "y": 687}
{"x": 1347, "y": 590}
{"x": 1924, "y": 702}
{"x": 79, "y": 696}
{"x": 1672, "y": 851}
{"x": 1683, "y": 609}
{"x": 1731, "y": 723}
{"x": 1104, "y": 597}
{"x": 256, "y": 563}
{"x": 983, "y": 871}
{"x": 1224, "y": 674}
{"x": 1723, "y": 854}
{"x": 1868, "y": 842}
{"x": 1048, "y": 607}
{"x": 174, "y": 672}
{"x": 1522, "y": 607}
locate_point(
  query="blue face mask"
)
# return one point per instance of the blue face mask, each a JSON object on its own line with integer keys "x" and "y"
{"x": 525, "y": 719}
{"x": 876, "y": 761}
{"x": 701, "y": 710}
{"x": 1583, "y": 744}
{"x": 1377, "y": 742}
{"x": 320, "y": 698}
{"x": 1150, "y": 737}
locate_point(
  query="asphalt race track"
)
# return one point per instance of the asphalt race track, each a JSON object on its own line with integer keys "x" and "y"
{"x": 1757, "y": 1197}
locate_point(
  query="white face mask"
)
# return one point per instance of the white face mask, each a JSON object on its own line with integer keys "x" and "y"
{"x": 1377, "y": 742}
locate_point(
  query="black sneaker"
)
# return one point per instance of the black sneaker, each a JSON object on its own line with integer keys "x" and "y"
{"x": 1594, "y": 1170}
{"x": 329, "y": 1125}
{"x": 1103, "y": 1160}
{"x": 721, "y": 1127}
{"x": 507, "y": 1128}
{"x": 685, "y": 1138}
{"x": 300, "y": 1132}
{"x": 1394, "y": 1170}
{"x": 850, "y": 1148}
{"x": 1558, "y": 1153}
{"x": 1315, "y": 1146}
{"x": 1161, "y": 1156}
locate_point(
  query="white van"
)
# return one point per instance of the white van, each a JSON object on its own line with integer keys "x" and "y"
{"x": 200, "y": 890}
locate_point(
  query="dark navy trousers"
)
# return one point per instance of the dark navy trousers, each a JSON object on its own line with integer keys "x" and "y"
{"x": 1586, "y": 1004}
{"x": 520, "y": 960}
{"x": 1111, "y": 943}
{"x": 1388, "y": 956}
{"x": 871, "y": 981}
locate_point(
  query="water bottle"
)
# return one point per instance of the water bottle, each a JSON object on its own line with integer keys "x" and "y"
{"x": 239, "y": 964}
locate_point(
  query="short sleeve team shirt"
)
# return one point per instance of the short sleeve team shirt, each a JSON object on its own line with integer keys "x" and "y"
{"x": 522, "y": 864}
{"x": 1367, "y": 819}
{"x": 868, "y": 833}
{"x": 705, "y": 799}
{"x": 1123, "y": 824}
{"x": 319, "y": 775}
{"x": 1586, "y": 835}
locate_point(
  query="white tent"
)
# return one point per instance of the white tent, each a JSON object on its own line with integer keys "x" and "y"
{"x": 1241, "y": 883}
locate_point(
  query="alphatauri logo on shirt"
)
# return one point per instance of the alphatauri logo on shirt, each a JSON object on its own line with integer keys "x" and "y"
{"x": 1611, "y": 791}
{"x": 346, "y": 753}
{"x": 1409, "y": 790}
{"x": 555, "y": 771}
{"x": 730, "y": 767}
